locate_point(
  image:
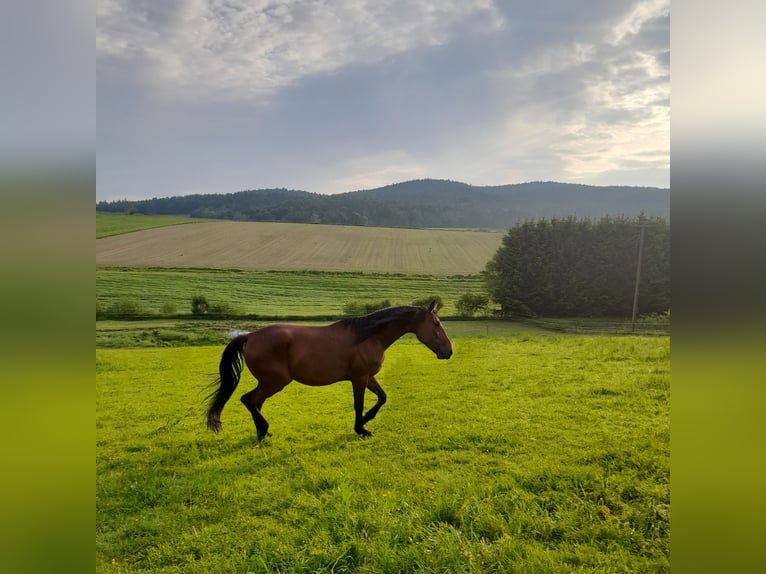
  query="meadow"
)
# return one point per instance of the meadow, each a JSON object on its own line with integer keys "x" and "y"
{"x": 272, "y": 293}
{"x": 164, "y": 332}
{"x": 109, "y": 224}
{"x": 527, "y": 452}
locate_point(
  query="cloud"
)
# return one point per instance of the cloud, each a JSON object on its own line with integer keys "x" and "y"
{"x": 367, "y": 172}
{"x": 632, "y": 22}
{"x": 240, "y": 49}
{"x": 343, "y": 95}
{"x": 598, "y": 103}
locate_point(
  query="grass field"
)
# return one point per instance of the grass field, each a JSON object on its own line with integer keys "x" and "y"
{"x": 273, "y": 294}
{"x": 525, "y": 453}
{"x": 293, "y": 246}
{"x": 124, "y": 334}
{"x": 108, "y": 224}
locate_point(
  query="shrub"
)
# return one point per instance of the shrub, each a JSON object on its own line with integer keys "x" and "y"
{"x": 199, "y": 305}
{"x": 126, "y": 307}
{"x": 169, "y": 309}
{"x": 426, "y": 301}
{"x": 355, "y": 308}
{"x": 224, "y": 308}
{"x": 655, "y": 318}
{"x": 471, "y": 303}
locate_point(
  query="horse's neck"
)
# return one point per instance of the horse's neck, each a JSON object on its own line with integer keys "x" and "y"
{"x": 393, "y": 332}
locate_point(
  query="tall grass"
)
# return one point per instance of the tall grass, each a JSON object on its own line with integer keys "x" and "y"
{"x": 528, "y": 453}
{"x": 108, "y": 224}
{"x": 273, "y": 293}
{"x": 181, "y": 333}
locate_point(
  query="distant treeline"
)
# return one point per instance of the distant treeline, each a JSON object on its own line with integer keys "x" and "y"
{"x": 579, "y": 268}
{"x": 421, "y": 203}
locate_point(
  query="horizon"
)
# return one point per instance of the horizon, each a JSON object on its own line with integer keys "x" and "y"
{"x": 288, "y": 189}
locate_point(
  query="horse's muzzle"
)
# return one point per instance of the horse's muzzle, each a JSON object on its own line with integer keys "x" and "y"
{"x": 444, "y": 354}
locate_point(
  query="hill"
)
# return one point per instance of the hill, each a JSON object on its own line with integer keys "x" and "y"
{"x": 292, "y": 246}
{"x": 422, "y": 203}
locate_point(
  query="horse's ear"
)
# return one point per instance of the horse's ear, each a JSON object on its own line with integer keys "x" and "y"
{"x": 432, "y": 306}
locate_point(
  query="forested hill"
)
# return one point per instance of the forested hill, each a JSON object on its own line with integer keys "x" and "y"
{"x": 419, "y": 203}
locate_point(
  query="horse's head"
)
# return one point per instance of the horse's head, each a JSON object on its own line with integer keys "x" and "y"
{"x": 430, "y": 332}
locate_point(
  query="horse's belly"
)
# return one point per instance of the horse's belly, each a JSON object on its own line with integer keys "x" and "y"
{"x": 316, "y": 370}
{"x": 316, "y": 376}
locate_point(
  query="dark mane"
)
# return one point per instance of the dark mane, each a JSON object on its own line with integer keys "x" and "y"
{"x": 368, "y": 325}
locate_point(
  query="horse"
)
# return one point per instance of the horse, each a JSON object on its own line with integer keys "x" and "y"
{"x": 351, "y": 349}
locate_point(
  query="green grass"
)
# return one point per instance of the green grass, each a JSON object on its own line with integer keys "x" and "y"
{"x": 273, "y": 293}
{"x": 276, "y": 295}
{"x": 161, "y": 333}
{"x": 528, "y": 453}
{"x": 658, "y": 324}
{"x": 181, "y": 333}
{"x": 108, "y": 224}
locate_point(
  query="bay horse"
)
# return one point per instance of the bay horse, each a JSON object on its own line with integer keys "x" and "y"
{"x": 349, "y": 350}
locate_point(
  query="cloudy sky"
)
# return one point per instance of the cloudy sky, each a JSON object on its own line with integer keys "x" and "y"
{"x": 217, "y": 96}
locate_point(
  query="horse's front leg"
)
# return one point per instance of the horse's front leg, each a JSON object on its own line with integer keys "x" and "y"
{"x": 359, "y": 386}
{"x": 374, "y": 386}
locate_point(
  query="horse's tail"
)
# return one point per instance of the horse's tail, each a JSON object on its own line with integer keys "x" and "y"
{"x": 230, "y": 369}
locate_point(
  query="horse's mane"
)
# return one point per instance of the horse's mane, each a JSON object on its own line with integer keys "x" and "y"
{"x": 366, "y": 326}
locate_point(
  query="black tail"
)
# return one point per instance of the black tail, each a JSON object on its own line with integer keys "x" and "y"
{"x": 229, "y": 369}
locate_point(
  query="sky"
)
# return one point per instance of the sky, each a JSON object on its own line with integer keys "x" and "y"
{"x": 330, "y": 96}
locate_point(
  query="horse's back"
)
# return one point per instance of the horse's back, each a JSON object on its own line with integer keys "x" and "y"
{"x": 267, "y": 339}
{"x": 266, "y": 350}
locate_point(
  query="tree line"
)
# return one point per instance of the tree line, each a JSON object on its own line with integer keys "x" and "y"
{"x": 419, "y": 203}
{"x": 290, "y": 206}
{"x": 581, "y": 268}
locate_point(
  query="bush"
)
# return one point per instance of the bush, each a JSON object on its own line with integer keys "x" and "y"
{"x": 355, "y": 308}
{"x": 471, "y": 303}
{"x": 199, "y": 305}
{"x": 655, "y": 318}
{"x": 426, "y": 301}
{"x": 223, "y": 309}
{"x": 169, "y": 309}
{"x": 126, "y": 307}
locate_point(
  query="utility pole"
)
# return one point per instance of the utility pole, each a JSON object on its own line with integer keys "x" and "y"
{"x": 638, "y": 278}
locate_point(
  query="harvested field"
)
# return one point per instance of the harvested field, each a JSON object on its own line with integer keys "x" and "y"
{"x": 294, "y": 246}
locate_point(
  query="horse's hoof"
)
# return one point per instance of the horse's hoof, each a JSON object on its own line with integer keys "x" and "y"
{"x": 364, "y": 433}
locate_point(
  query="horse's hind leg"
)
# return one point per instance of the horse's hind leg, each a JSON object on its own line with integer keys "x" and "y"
{"x": 254, "y": 402}
{"x": 375, "y": 387}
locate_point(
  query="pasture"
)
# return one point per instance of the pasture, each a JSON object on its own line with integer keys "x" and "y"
{"x": 273, "y": 293}
{"x": 299, "y": 247}
{"x": 164, "y": 332}
{"x": 108, "y": 224}
{"x": 523, "y": 453}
